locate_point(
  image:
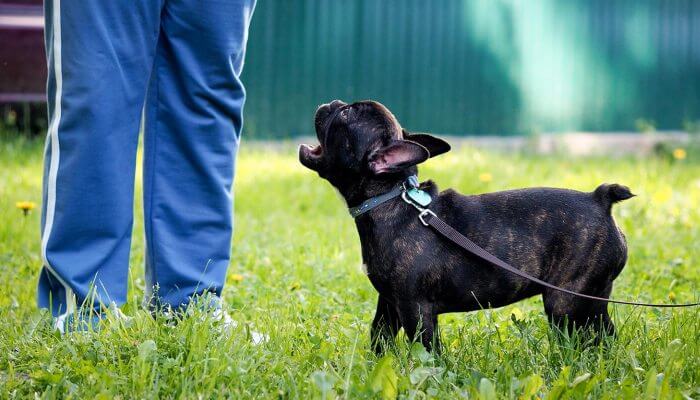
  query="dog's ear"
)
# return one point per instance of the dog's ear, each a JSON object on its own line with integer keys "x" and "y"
{"x": 434, "y": 145}
{"x": 396, "y": 156}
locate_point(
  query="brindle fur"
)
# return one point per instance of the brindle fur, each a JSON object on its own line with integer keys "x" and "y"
{"x": 565, "y": 237}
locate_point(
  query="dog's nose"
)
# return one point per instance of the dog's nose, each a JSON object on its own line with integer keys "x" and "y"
{"x": 330, "y": 107}
{"x": 336, "y": 103}
{"x": 327, "y": 109}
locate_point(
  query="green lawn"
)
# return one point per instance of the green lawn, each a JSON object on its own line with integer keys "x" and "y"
{"x": 295, "y": 274}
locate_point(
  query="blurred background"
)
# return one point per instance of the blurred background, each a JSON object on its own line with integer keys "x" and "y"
{"x": 454, "y": 67}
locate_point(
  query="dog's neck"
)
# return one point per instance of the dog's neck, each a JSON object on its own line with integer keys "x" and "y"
{"x": 379, "y": 227}
{"x": 365, "y": 188}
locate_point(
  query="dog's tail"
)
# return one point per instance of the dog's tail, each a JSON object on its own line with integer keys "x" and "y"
{"x": 609, "y": 193}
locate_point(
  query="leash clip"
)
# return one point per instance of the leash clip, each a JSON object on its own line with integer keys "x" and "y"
{"x": 422, "y": 215}
{"x": 423, "y": 211}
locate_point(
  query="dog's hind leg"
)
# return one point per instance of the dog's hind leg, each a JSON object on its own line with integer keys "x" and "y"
{"x": 385, "y": 326}
{"x": 568, "y": 312}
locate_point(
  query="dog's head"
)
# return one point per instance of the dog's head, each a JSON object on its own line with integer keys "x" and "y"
{"x": 363, "y": 141}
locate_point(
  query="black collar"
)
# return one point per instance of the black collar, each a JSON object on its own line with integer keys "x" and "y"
{"x": 410, "y": 183}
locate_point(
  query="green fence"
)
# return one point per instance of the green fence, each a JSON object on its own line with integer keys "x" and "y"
{"x": 477, "y": 66}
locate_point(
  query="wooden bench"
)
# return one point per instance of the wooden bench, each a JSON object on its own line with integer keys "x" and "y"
{"x": 22, "y": 65}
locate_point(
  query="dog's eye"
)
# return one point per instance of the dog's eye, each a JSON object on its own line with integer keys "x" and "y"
{"x": 344, "y": 114}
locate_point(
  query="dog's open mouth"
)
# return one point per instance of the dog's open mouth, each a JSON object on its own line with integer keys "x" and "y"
{"x": 310, "y": 156}
{"x": 314, "y": 151}
{"x": 310, "y": 151}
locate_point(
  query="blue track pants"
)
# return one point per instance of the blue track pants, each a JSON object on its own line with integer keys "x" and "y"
{"x": 178, "y": 63}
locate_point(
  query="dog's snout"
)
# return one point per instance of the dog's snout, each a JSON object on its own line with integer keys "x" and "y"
{"x": 330, "y": 107}
{"x": 337, "y": 103}
{"x": 325, "y": 110}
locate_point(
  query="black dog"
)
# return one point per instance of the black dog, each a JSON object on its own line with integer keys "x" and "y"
{"x": 565, "y": 237}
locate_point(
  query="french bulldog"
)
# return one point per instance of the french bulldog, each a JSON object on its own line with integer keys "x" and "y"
{"x": 564, "y": 237}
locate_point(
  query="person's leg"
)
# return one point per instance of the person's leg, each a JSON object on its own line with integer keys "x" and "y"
{"x": 100, "y": 54}
{"x": 193, "y": 124}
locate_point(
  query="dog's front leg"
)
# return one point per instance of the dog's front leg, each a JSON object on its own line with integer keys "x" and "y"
{"x": 385, "y": 326}
{"x": 420, "y": 318}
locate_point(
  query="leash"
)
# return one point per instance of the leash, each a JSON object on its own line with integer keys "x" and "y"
{"x": 416, "y": 197}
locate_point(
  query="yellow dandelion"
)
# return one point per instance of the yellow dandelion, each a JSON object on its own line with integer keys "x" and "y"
{"x": 672, "y": 296}
{"x": 25, "y": 206}
{"x": 680, "y": 153}
{"x": 236, "y": 277}
{"x": 517, "y": 314}
{"x": 486, "y": 177}
{"x": 295, "y": 286}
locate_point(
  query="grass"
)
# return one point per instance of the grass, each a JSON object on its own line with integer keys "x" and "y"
{"x": 295, "y": 274}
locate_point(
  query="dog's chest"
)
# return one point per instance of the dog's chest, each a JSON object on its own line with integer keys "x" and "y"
{"x": 389, "y": 263}
{"x": 376, "y": 264}
{"x": 380, "y": 271}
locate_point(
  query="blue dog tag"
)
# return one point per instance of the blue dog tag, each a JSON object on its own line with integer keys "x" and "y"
{"x": 419, "y": 197}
